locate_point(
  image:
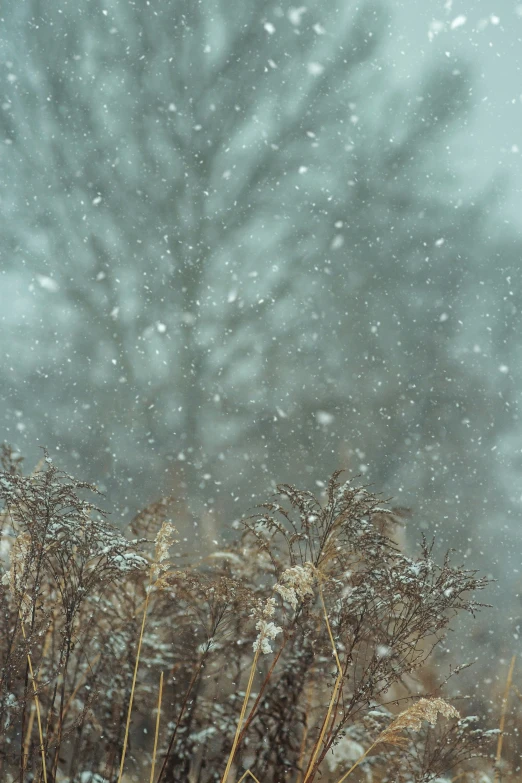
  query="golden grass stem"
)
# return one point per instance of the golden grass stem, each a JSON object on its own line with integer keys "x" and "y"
{"x": 242, "y": 714}
{"x": 36, "y": 703}
{"x": 411, "y": 718}
{"x": 324, "y": 727}
{"x": 356, "y": 764}
{"x": 29, "y": 732}
{"x": 337, "y": 685}
{"x": 197, "y": 672}
{"x": 32, "y": 715}
{"x": 457, "y": 777}
{"x": 243, "y": 776}
{"x": 156, "y": 734}
{"x": 302, "y": 747}
{"x": 498, "y": 754}
{"x": 259, "y": 696}
{"x": 131, "y": 700}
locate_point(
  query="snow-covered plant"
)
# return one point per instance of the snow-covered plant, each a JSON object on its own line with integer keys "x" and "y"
{"x": 288, "y": 652}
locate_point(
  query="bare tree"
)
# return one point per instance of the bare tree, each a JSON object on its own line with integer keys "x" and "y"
{"x": 246, "y": 249}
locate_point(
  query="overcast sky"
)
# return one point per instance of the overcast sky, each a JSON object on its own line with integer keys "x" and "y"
{"x": 489, "y": 34}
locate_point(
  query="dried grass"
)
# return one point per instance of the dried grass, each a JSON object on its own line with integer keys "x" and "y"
{"x": 410, "y": 719}
{"x": 156, "y": 733}
{"x": 294, "y": 639}
{"x": 498, "y": 755}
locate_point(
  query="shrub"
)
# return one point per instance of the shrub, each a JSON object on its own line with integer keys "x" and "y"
{"x": 286, "y": 656}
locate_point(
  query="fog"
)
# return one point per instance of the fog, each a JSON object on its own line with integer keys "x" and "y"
{"x": 250, "y": 243}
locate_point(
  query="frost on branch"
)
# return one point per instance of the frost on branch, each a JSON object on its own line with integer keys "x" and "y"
{"x": 59, "y": 535}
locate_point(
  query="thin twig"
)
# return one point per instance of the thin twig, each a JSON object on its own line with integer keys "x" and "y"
{"x": 80, "y": 682}
{"x": 160, "y": 694}
{"x": 179, "y": 719}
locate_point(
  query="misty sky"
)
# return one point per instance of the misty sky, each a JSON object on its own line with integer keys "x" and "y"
{"x": 217, "y": 275}
{"x": 491, "y": 39}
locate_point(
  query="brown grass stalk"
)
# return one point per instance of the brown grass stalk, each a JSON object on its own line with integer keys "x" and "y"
{"x": 302, "y": 747}
{"x": 32, "y": 714}
{"x": 95, "y": 590}
{"x": 262, "y": 689}
{"x": 498, "y": 754}
{"x": 37, "y": 704}
{"x": 410, "y": 719}
{"x": 80, "y": 683}
{"x": 242, "y": 714}
{"x": 317, "y": 747}
{"x": 133, "y": 687}
{"x": 192, "y": 682}
{"x": 243, "y": 776}
{"x": 156, "y": 733}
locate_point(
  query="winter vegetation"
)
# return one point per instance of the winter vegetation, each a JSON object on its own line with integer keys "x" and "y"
{"x": 298, "y": 652}
{"x": 247, "y": 242}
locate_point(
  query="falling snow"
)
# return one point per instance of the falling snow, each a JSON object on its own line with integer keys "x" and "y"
{"x": 248, "y": 244}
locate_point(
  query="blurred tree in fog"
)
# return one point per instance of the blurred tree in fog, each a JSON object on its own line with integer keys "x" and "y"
{"x": 240, "y": 251}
